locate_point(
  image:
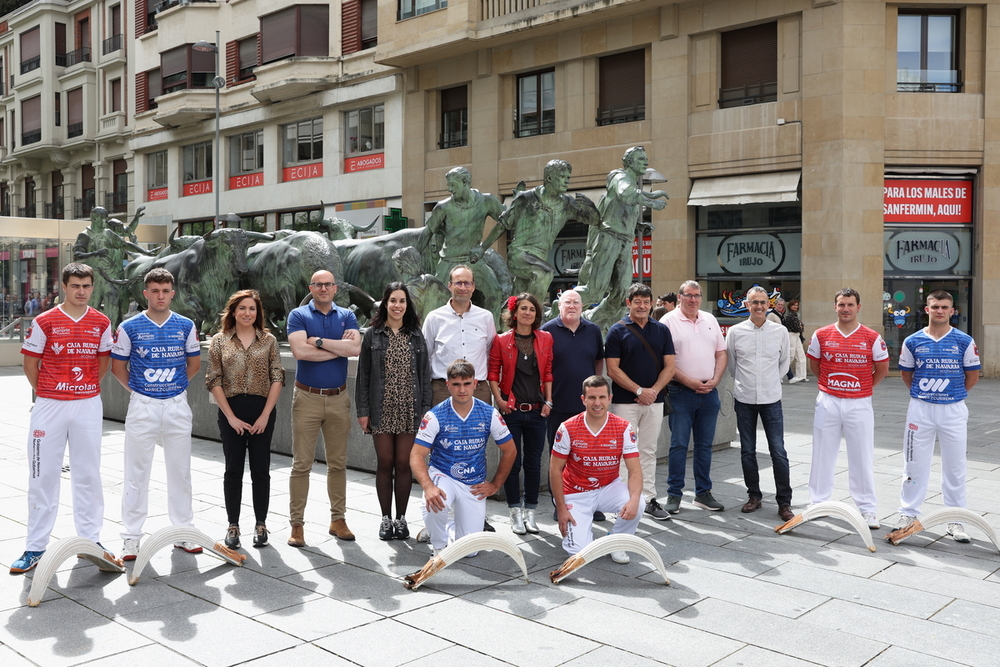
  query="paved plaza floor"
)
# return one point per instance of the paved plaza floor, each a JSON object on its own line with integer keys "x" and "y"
{"x": 740, "y": 594}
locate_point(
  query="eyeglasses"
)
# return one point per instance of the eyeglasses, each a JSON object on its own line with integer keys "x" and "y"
{"x": 758, "y": 303}
{"x": 323, "y": 285}
{"x": 463, "y": 283}
{"x": 693, "y": 297}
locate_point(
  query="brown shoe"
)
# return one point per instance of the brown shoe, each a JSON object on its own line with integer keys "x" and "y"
{"x": 340, "y": 530}
{"x": 786, "y": 513}
{"x": 298, "y": 538}
{"x": 751, "y": 505}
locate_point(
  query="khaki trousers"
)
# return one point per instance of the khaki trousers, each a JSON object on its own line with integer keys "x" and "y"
{"x": 312, "y": 413}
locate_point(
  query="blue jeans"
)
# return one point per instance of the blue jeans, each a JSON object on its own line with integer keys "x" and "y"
{"x": 528, "y": 430}
{"x": 693, "y": 414}
{"x": 773, "y": 421}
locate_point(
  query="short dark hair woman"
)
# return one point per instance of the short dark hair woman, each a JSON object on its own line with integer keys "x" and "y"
{"x": 245, "y": 377}
{"x": 392, "y": 393}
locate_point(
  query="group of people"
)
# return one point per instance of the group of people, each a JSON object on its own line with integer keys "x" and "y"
{"x": 426, "y": 394}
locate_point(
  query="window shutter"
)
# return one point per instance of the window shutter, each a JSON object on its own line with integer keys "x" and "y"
{"x": 31, "y": 114}
{"x": 87, "y": 177}
{"x": 74, "y": 99}
{"x": 350, "y": 26}
{"x": 141, "y": 92}
{"x": 314, "y": 30}
{"x": 30, "y": 45}
{"x": 750, "y": 56}
{"x": 278, "y": 35}
{"x": 155, "y": 83}
{"x": 174, "y": 61}
{"x": 259, "y": 49}
{"x": 119, "y": 167}
{"x": 140, "y": 17}
{"x": 454, "y": 99}
{"x": 369, "y": 20}
{"x": 232, "y": 61}
{"x": 622, "y": 79}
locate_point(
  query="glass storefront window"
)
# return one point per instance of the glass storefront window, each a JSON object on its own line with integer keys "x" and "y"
{"x": 29, "y": 278}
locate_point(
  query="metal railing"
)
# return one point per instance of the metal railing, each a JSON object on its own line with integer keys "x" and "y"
{"x": 55, "y": 210}
{"x": 60, "y": 60}
{"x": 26, "y": 211}
{"x": 31, "y": 137}
{"x": 753, "y": 93}
{"x": 116, "y": 202}
{"x": 17, "y": 327}
{"x": 111, "y": 44}
{"x": 622, "y": 113}
{"x": 81, "y": 55}
{"x": 82, "y": 206}
{"x": 454, "y": 139}
{"x": 74, "y": 130}
{"x": 30, "y": 64}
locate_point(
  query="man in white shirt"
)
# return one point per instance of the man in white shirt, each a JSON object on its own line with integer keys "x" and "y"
{"x": 757, "y": 351}
{"x": 459, "y": 330}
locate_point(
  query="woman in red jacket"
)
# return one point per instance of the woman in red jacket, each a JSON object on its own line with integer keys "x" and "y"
{"x": 520, "y": 376}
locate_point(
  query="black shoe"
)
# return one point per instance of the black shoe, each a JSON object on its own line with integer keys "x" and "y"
{"x": 599, "y": 516}
{"x": 385, "y": 531}
{"x": 260, "y": 535}
{"x": 399, "y": 528}
{"x": 488, "y": 528}
{"x": 233, "y": 537}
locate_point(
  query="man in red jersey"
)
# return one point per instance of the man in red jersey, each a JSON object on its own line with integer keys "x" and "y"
{"x": 66, "y": 353}
{"x": 583, "y": 471}
{"x": 849, "y": 359}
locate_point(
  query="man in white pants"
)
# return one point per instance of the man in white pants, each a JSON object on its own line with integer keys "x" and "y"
{"x": 154, "y": 355}
{"x": 939, "y": 364}
{"x": 584, "y": 470}
{"x": 455, "y": 433}
{"x": 65, "y": 356}
{"x": 849, "y": 360}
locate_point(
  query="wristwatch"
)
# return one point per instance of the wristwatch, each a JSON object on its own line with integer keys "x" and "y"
{"x": 638, "y": 392}
{"x": 319, "y": 342}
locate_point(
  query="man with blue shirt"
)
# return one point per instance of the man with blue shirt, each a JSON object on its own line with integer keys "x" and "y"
{"x": 455, "y": 433}
{"x": 939, "y": 364}
{"x": 154, "y": 355}
{"x": 639, "y": 353}
{"x": 322, "y": 336}
{"x": 577, "y": 354}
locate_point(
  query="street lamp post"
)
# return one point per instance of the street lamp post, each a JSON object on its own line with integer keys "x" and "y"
{"x": 218, "y": 82}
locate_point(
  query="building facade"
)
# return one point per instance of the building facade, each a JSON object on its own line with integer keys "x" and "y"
{"x": 808, "y": 145}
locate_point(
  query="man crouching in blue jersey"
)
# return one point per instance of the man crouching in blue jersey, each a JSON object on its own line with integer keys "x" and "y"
{"x": 455, "y": 433}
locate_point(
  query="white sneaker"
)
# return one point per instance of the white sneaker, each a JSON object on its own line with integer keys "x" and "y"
{"x": 794, "y": 380}
{"x": 189, "y": 547}
{"x": 905, "y": 521}
{"x": 957, "y": 532}
{"x": 620, "y": 557}
{"x": 871, "y": 519}
{"x": 130, "y": 550}
{"x": 424, "y": 535}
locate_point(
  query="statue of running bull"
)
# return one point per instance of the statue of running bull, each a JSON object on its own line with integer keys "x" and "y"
{"x": 281, "y": 270}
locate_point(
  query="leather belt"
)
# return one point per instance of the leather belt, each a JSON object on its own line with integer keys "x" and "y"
{"x": 321, "y": 392}
{"x": 528, "y": 407}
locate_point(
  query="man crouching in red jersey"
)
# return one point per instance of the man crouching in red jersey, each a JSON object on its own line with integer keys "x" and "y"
{"x": 584, "y": 470}
{"x": 66, "y": 353}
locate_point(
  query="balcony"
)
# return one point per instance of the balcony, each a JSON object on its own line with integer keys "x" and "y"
{"x": 744, "y": 96}
{"x": 293, "y": 77}
{"x": 623, "y": 113}
{"x": 60, "y": 60}
{"x": 26, "y": 211}
{"x": 111, "y": 126}
{"x": 441, "y": 29}
{"x": 185, "y": 107}
{"x": 81, "y": 55}
{"x": 83, "y": 206}
{"x": 116, "y": 202}
{"x": 31, "y": 64}
{"x": 111, "y": 44}
{"x": 55, "y": 210}
{"x": 928, "y": 81}
{"x": 32, "y": 137}
{"x": 74, "y": 130}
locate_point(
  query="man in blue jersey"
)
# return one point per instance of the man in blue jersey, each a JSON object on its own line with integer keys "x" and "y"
{"x": 455, "y": 433}
{"x": 154, "y": 355}
{"x": 939, "y": 364}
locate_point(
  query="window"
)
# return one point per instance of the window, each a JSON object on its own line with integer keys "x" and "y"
{"x": 303, "y": 141}
{"x": 31, "y": 50}
{"x": 57, "y": 209}
{"x": 74, "y": 100}
{"x": 184, "y": 68}
{"x": 301, "y": 221}
{"x": 300, "y": 30}
{"x": 749, "y": 66}
{"x": 454, "y": 117}
{"x": 147, "y": 88}
{"x": 83, "y": 205}
{"x": 114, "y": 42}
{"x": 116, "y": 96}
{"x": 145, "y": 16}
{"x": 195, "y": 228}
{"x": 58, "y": 109}
{"x": 117, "y": 199}
{"x": 251, "y": 223}
{"x": 198, "y": 162}
{"x": 31, "y": 120}
{"x": 365, "y": 130}
{"x": 60, "y": 44}
{"x": 927, "y": 53}
{"x": 156, "y": 169}
{"x": 409, "y": 8}
{"x": 247, "y": 57}
{"x": 536, "y": 104}
{"x": 82, "y": 35}
{"x": 246, "y": 153}
{"x": 622, "y": 88}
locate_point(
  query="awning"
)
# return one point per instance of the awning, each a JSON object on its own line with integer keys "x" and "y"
{"x": 747, "y": 189}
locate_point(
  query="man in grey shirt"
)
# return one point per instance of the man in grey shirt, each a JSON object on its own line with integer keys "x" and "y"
{"x": 757, "y": 359}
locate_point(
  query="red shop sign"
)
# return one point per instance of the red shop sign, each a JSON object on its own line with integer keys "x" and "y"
{"x": 156, "y": 193}
{"x": 927, "y": 201}
{"x": 303, "y": 171}
{"x": 199, "y": 188}
{"x": 364, "y": 162}
{"x": 647, "y": 258}
{"x": 246, "y": 180}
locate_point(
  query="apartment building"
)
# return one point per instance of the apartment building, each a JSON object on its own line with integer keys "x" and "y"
{"x": 310, "y": 126}
{"x": 808, "y": 145}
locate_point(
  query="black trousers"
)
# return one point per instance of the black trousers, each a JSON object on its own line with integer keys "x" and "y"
{"x": 235, "y": 447}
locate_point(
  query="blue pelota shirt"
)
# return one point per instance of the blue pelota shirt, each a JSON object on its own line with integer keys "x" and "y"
{"x": 939, "y": 366}
{"x": 458, "y": 446}
{"x": 157, "y": 354}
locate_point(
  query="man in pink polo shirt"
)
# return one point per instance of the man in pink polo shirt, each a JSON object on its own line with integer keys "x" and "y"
{"x": 700, "y": 361}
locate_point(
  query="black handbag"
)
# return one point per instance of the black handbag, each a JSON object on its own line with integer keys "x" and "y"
{"x": 668, "y": 408}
